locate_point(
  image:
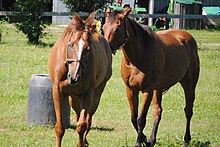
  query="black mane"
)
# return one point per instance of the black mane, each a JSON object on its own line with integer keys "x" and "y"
{"x": 144, "y": 32}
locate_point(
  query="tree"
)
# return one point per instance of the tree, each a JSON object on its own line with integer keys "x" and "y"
{"x": 85, "y": 5}
{"x": 2, "y": 23}
{"x": 31, "y": 21}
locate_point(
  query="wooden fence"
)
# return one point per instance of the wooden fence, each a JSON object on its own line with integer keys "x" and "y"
{"x": 191, "y": 16}
{"x": 198, "y": 18}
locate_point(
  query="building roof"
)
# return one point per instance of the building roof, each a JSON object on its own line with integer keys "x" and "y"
{"x": 212, "y": 10}
{"x": 189, "y": 1}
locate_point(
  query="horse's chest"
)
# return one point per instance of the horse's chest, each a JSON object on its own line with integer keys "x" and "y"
{"x": 133, "y": 77}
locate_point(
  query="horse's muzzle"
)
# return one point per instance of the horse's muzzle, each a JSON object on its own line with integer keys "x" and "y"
{"x": 73, "y": 79}
{"x": 114, "y": 49}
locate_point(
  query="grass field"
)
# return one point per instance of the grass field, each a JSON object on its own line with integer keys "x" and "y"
{"x": 111, "y": 122}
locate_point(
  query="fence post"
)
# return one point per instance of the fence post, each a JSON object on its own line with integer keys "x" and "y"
{"x": 151, "y": 11}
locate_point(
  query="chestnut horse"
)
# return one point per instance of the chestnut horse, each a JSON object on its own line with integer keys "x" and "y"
{"x": 79, "y": 66}
{"x": 152, "y": 63}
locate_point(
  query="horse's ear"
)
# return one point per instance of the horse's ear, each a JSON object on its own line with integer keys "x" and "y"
{"x": 107, "y": 12}
{"x": 126, "y": 12}
{"x": 77, "y": 20}
{"x": 76, "y": 17}
{"x": 90, "y": 18}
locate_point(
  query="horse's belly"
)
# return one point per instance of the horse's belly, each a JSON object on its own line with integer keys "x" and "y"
{"x": 173, "y": 71}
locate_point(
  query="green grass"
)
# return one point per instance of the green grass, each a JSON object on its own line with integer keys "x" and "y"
{"x": 111, "y": 122}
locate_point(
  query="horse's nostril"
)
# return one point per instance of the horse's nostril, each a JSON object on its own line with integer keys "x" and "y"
{"x": 71, "y": 79}
{"x": 68, "y": 75}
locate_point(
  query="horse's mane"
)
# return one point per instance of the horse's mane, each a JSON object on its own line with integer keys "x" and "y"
{"x": 80, "y": 25}
{"x": 144, "y": 32}
{"x": 113, "y": 14}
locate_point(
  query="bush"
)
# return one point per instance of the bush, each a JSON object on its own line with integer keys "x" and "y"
{"x": 2, "y": 23}
{"x": 84, "y": 5}
{"x": 31, "y": 21}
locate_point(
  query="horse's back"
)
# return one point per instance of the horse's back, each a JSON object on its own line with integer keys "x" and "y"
{"x": 180, "y": 50}
{"x": 178, "y": 41}
{"x": 176, "y": 37}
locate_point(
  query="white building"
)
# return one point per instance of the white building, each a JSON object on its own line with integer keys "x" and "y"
{"x": 59, "y": 6}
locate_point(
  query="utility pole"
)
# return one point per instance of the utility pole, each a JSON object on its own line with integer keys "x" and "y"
{"x": 1, "y": 5}
{"x": 151, "y": 11}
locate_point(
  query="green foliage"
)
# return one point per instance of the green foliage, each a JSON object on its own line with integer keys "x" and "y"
{"x": 218, "y": 27}
{"x": 1, "y": 26}
{"x": 0, "y": 31}
{"x": 31, "y": 21}
{"x": 84, "y": 5}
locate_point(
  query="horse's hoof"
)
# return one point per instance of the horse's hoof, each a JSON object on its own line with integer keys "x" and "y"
{"x": 86, "y": 143}
{"x": 137, "y": 144}
{"x": 143, "y": 144}
{"x": 151, "y": 143}
{"x": 185, "y": 144}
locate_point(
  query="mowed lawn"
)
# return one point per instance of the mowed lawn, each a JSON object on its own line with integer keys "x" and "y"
{"x": 111, "y": 123}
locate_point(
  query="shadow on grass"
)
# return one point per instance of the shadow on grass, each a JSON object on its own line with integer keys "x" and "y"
{"x": 197, "y": 143}
{"x": 104, "y": 129}
{"x": 43, "y": 44}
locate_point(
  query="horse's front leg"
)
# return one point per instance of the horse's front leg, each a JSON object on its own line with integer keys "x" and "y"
{"x": 157, "y": 112}
{"x": 81, "y": 128}
{"x": 141, "y": 121}
{"x": 133, "y": 103}
{"x": 84, "y": 122}
{"x": 58, "y": 99}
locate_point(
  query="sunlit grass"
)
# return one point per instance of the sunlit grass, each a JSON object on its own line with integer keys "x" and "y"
{"x": 111, "y": 122}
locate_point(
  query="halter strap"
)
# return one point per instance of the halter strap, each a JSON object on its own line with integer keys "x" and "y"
{"x": 67, "y": 47}
{"x": 126, "y": 35}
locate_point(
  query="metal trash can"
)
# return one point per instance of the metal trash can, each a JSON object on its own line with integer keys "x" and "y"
{"x": 40, "y": 103}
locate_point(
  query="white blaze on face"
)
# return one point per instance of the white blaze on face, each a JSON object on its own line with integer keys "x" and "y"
{"x": 81, "y": 44}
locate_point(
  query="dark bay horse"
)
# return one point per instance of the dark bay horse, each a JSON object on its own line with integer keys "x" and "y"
{"x": 79, "y": 65}
{"x": 152, "y": 63}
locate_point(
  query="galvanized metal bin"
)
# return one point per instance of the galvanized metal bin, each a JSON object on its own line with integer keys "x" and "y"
{"x": 40, "y": 102}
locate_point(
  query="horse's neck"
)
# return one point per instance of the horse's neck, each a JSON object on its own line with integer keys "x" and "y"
{"x": 140, "y": 43}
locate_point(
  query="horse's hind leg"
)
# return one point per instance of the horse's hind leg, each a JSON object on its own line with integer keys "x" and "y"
{"x": 189, "y": 96}
{"x": 157, "y": 112}
{"x": 189, "y": 84}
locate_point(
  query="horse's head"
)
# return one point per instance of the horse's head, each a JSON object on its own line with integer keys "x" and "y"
{"x": 77, "y": 47}
{"x": 115, "y": 30}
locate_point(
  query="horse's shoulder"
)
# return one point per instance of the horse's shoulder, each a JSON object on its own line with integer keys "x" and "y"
{"x": 173, "y": 36}
{"x": 174, "y": 33}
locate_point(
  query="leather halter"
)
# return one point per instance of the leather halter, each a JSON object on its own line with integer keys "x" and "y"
{"x": 69, "y": 48}
{"x": 69, "y": 45}
{"x": 67, "y": 53}
{"x": 126, "y": 34}
{"x": 126, "y": 37}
